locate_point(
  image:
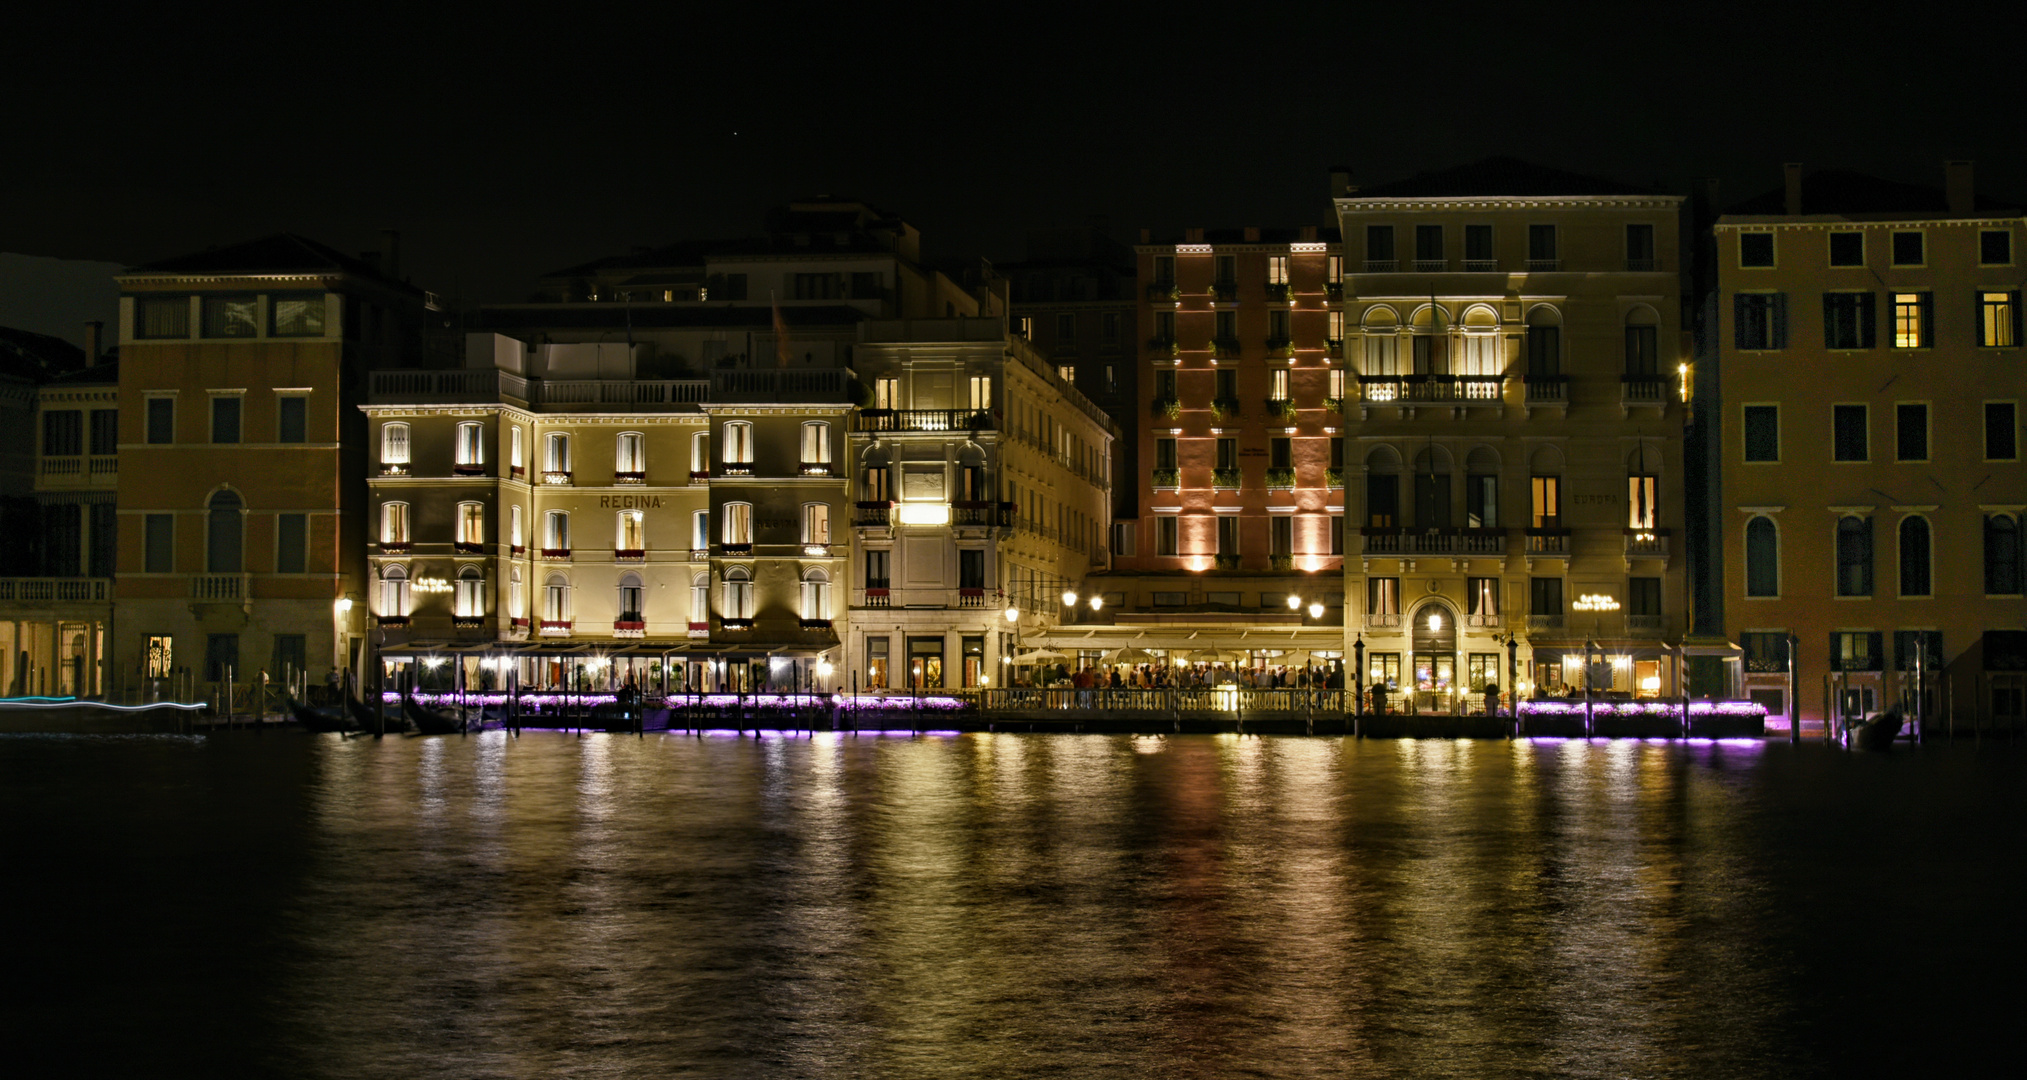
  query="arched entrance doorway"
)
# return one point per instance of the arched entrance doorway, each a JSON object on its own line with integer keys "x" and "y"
{"x": 1433, "y": 636}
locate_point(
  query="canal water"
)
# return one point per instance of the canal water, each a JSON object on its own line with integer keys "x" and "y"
{"x": 1008, "y": 906}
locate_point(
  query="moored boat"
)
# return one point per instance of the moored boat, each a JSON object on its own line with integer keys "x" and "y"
{"x": 430, "y": 721}
{"x": 1875, "y": 732}
{"x": 315, "y": 719}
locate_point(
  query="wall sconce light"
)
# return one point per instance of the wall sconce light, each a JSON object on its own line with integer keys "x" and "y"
{"x": 1316, "y": 609}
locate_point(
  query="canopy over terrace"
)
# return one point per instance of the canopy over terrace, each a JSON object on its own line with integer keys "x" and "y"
{"x": 1265, "y": 645}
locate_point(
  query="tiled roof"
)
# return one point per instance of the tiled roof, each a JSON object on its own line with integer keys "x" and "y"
{"x": 37, "y": 357}
{"x": 1497, "y": 176}
{"x": 1843, "y": 191}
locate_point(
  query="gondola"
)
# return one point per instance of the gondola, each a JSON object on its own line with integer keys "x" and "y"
{"x": 429, "y": 721}
{"x": 1875, "y": 732}
{"x": 314, "y": 719}
{"x": 368, "y": 722}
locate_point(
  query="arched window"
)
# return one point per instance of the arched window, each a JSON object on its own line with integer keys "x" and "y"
{"x": 225, "y": 532}
{"x": 471, "y": 524}
{"x": 700, "y": 601}
{"x": 631, "y": 540}
{"x": 816, "y": 595}
{"x": 2002, "y": 555}
{"x": 816, "y": 448}
{"x": 700, "y": 455}
{"x": 555, "y": 534}
{"x": 1643, "y": 489}
{"x": 1481, "y": 489}
{"x": 1431, "y": 341}
{"x": 1484, "y": 357}
{"x": 1383, "y": 488}
{"x": 556, "y": 459}
{"x": 1762, "y": 558}
{"x": 738, "y": 524}
{"x": 1854, "y": 556}
{"x": 629, "y": 456}
{"x": 470, "y": 451}
{"x": 1544, "y": 342}
{"x": 1914, "y": 557}
{"x": 738, "y": 447}
{"x": 1382, "y": 342}
{"x": 738, "y": 593}
{"x": 394, "y": 448}
{"x": 556, "y": 601}
{"x": 816, "y": 528}
{"x": 1643, "y": 355}
{"x": 517, "y": 602}
{"x": 516, "y": 461}
{"x": 631, "y": 598}
{"x": 516, "y": 538}
{"x": 471, "y": 594}
{"x": 394, "y": 595}
{"x": 394, "y": 525}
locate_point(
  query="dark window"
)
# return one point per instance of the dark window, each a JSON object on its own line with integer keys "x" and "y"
{"x": 1765, "y": 650}
{"x": 1282, "y": 534}
{"x": 298, "y": 315}
{"x": 1228, "y": 534}
{"x": 1849, "y": 438}
{"x": 1227, "y": 269}
{"x": 1643, "y": 596}
{"x": 1544, "y": 350}
{"x": 221, "y": 657}
{"x": 1228, "y": 454}
{"x": 1280, "y": 452}
{"x": 1906, "y": 643}
{"x": 1164, "y": 453}
{"x": 1481, "y": 502}
{"x": 1164, "y": 386}
{"x": 1108, "y": 327}
{"x": 1337, "y": 534}
{"x": 160, "y": 530}
{"x": 1763, "y": 433}
{"x": 104, "y": 546}
{"x": 1066, "y": 329}
{"x": 1382, "y": 500}
{"x": 1849, "y": 321}
{"x": 1228, "y": 381}
{"x": 161, "y": 420}
{"x": 231, "y": 316}
{"x": 1226, "y": 325}
{"x": 1428, "y": 243}
{"x": 1337, "y": 451}
{"x": 105, "y": 431}
{"x": 292, "y": 419}
{"x": 1760, "y": 320}
{"x": 1478, "y": 243}
{"x": 290, "y": 654}
{"x": 1762, "y": 558}
{"x": 1847, "y": 249}
{"x": 1432, "y": 500}
{"x": 2002, "y": 555}
{"x": 1541, "y": 243}
{"x": 1165, "y": 535}
{"x": 162, "y": 317}
{"x": 1854, "y": 556}
{"x": 1907, "y": 249}
{"x": 1856, "y": 650}
{"x": 1544, "y": 596}
{"x": 62, "y": 539}
{"x": 1756, "y": 249}
{"x": 1643, "y": 359}
{"x": 1379, "y": 242}
{"x": 1914, "y": 557}
{"x": 225, "y": 418}
{"x": 1910, "y": 432}
{"x": 865, "y": 285}
{"x": 291, "y": 543}
{"x": 818, "y": 286}
{"x": 970, "y": 569}
{"x": 1995, "y": 247}
{"x": 876, "y": 569}
{"x": 63, "y": 433}
{"x": 2001, "y": 433}
{"x": 734, "y": 288}
{"x": 222, "y": 525}
{"x": 1640, "y": 247}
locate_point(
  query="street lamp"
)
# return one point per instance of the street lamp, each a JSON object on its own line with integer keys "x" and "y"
{"x": 1069, "y": 598}
{"x": 1315, "y": 609}
{"x": 1097, "y": 602}
{"x": 1294, "y": 602}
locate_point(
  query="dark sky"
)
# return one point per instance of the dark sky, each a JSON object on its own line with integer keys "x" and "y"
{"x": 503, "y": 144}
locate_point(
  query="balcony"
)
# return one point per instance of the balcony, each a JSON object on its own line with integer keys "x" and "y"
{"x": 1160, "y": 290}
{"x": 1396, "y": 542}
{"x": 976, "y": 513}
{"x": 1640, "y": 266}
{"x": 735, "y": 468}
{"x": 700, "y": 554}
{"x": 876, "y": 420}
{"x": 735, "y": 624}
{"x": 736, "y": 550}
{"x": 1278, "y": 292}
{"x": 1548, "y": 542}
{"x": 394, "y": 547}
{"x": 1333, "y": 347}
{"x": 1431, "y": 266}
{"x": 1281, "y": 564}
{"x": 462, "y": 547}
{"x": 1280, "y": 348}
{"x": 622, "y": 479}
{"x": 1432, "y": 389}
{"x": 556, "y": 554}
{"x": 971, "y": 598}
{"x": 1225, "y": 562}
{"x": 468, "y": 468}
{"x": 1481, "y": 266}
{"x": 517, "y": 472}
{"x": 1646, "y": 543}
{"x": 629, "y": 628}
{"x": 558, "y": 477}
{"x": 1333, "y": 477}
{"x": 1482, "y": 622}
{"x": 1224, "y": 407}
{"x": 814, "y": 550}
{"x": 1547, "y": 389}
{"x": 468, "y": 622}
{"x": 1226, "y": 479}
{"x": 553, "y": 628}
{"x": 633, "y": 555}
{"x": 1225, "y": 348}
{"x": 872, "y": 514}
{"x": 1543, "y": 266}
{"x": 1333, "y": 291}
{"x": 392, "y": 622}
{"x": 700, "y": 629}
{"x": 1381, "y": 266}
{"x": 1645, "y": 391}
{"x": 1225, "y": 292}
{"x": 1383, "y": 621}
{"x": 1643, "y": 625}
{"x": 1280, "y": 478}
{"x": 70, "y": 467}
{"x": 1166, "y": 479}
{"x": 56, "y": 589}
{"x": 814, "y": 624}
{"x": 1163, "y": 346}
{"x": 1539, "y": 623}
{"x": 700, "y": 476}
{"x": 1169, "y": 408}
{"x": 877, "y": 593}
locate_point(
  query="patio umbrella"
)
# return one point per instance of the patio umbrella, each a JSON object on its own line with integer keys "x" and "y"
{"x": 1040, "y": 656}
{"x": 1212, "y": 656}
{"x": 1129, "y": 655}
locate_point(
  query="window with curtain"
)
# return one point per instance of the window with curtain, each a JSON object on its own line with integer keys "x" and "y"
{"x": 556, "y": 599}
{"x": 700, "y": 455}
{"x": 516, "y": 600}
{"x": 816, "y": 595}
{"x": 738, "y": 593}
{"x": 816, "y": 446}
{"x": 515, "y": 537}
{"x": 632, "y": 598}
{"x": 556, "y": 455}
{"x": 393, "y": 523}
{"x": 470, "y": 599}
{"x": 816, "y": 524}
{"x": 738, "y": 443}
{"x": 394, "y": 444}
{"x": 394, "y": 595}
{"x": 1643, "y": 494}
{"x": 632, "y": 536}
{"x": 2002, "y": 555}
{"x": 738, "y": 518}
{"x": 1762, "y": 558}
{"x": 471, "y": 524}
{"x": 700, "y": 530}
{"x": 555, "y": 533}
{"x": 629, "y": 456}
{"x": 471, "y": 446}
{"x": 1383, "y": 596}
{"x": 700, "y": 598}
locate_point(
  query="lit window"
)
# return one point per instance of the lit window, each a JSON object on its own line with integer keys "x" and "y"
{"x": 471, "y": 453}
{"x": 1277, "y": 269}
{"x": 470, "y": 599}
{"x": 629, "y": 455}
{"x": 162, "y": 317}
{"x": 298, "y": 315}
{"x": 738, "y": 593}
{"x": 1277, "y": 382}
{"x": 555, "y": 533}
{"x": 394, "y": 595}
{"x": 1547, "y": 501}
{"x": 514, "y": 536}
{"x": 738, "y": 519}
{"x": 816, "y": 446}
{"x": 816, "y": 524}
{"x": 816, "y": 595}
{"x": 700, "y": 455}
{"x": 1913, "y": 314}
{"x": 886, "y": 393}
{"x": 738, "y": 443}
{"x": 1642, "y": 495}
{"x": 1067, "y": 373}
{"x": 556, "y": 457}
{"x": 981, "y": 392}
{"x": 1999, "y": 319}
{"x": 231, "y": 316}
{"x": 700, "y": 530}
{"x": 556, "y": 599}
{"x": 700, "y": 598}
{"x": 632, "y": 532}
{"x": 394, "y": 523}
{"x": 471, "y": 523}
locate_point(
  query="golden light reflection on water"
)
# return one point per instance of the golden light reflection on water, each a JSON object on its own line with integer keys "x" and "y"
{"x": 998, "y": 905}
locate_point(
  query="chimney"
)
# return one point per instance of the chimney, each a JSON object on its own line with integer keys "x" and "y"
{"x": 390, "y": 253}
{"x": 1958, "y": 186}
{"x": 1252, "y": 234}
{"x": 93, "y": 328}
{"x": 1340, "y": 182}
{"x": 1793, "y": 170}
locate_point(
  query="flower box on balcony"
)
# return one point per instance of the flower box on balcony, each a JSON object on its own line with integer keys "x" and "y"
{"x": 1222, "y": 408}
{"x": 1163, "y": 290}
{"x": 1281, "y": 408}
{"x": 1168, "y": 407}
{"x": 1278, "y": 291}
{"x": 737, "y": 549}
{"x": 1333, "y": 477}
{"x": 630, "y": 555}
{"x": 394, "y": 547}
{"x": 816, "y": 468}
{"x": 736, "y": 468}
{"x": 1333, "y": 404}
{"x": 517, "y": 549}
{"x": 462, "y": 548}
{"x": 554, "y": 627}
{"x": 556, "y": 554}
{"x": 1225, "y": 478}
{"x": 393, "y": 470}
{"x": 629, "y": 478}
{"x": 698, "y": 476}
{"x": 556, "y": 478}
{"x": 468, "y": 470}
{"x": 1225, "y": 562}
{"x": 1162, "y": 346}
{"x": 1280, "y": 347}
{"x": 519, "y": 624}
{"x": 468, "y": 622}
{"x": 1224, "y": 348}
{"x": 629, "y": 628}
{"x": 1282, "y": 563}
{"x": 815, "y": 624}
{"x": 393, "y": 621}
{"x": 735, "y": 624}
{"x": 1280, "y": 477}
{"x": 1167, "y": 479}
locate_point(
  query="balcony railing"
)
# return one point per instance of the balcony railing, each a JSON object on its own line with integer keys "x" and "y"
{"x": 1281, "y": 409}
{"x": 629, "y": 555}
{"x": 1547, "y": 388}
{"x": 1278, "y": 291}
{"x": 463, "y": 547}
{"x": 1431, "y": 266}
{"x": 1333, "y": 290}
{"x": 1159, "y": 290}
{"x": 555, "y": 476}
{"x": 1643, "y": 624}
{"x": 876, "y": 514}
{"x": 922, "y": 420}
{"x": 735, "y": 468}
{"x": 1280, "y": 478}
{"x": 1224, "y": 407}
{"x": 700, "y": 554}
{"x": 1383, "y": 621}
{"x": 971, "y": 598}
{"x": 629, "y": 628}
{"x": 981, "y": 513}
{"x": 1643, "y": 390}
{"x": 814, "y": 468}
{"x": 394, "y": 547}
{"x": 1163, "y": 346}
{"x": 1544, "y": 622}
{"x": 1225, "y": 291}
{"x": 1553, "y": 542}
{"x": 1480, "y": 266}
{"x": 74, "y": 465}
{"x": 1646, "y": 543}
{"x": 1281, "y": 564}
{"x": 1397, "y": 541}
{"x": 230, "y": 588}
{"x": 1280, "y": 348}
{"x": 735, "y": 624}
{"x": 1481, "y": 621}
{"x": 1225, "y": 348}
{"x": 700, "y": 476}
{"x": 626, "y": 478}
{"x": 1432, "y": 388}
{"x": 1381, "y": 266}
{"x": 1333, "y": 346}
{"x": 1225, "y": 562}
{"x": 877, "y": 595}
{"x": 556, "y": 554}
{"x": 49, "y": 589}
{"x": 1166, "y": 479}
{"x": 1167, "y": 407}
{"x": 1640, "y": 266}
{"x": 468, "y": 468}
{"x": 1543, "y": 265}
{"x": 1226, "y": 478}
{"x": 814, "y": 624}
{"x": 553, "y": 627}
{"x": 392, "y": 622}
{"x": 736, "y": 549}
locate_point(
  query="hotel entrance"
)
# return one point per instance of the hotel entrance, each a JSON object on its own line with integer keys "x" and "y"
{"x": 1433, "y": 636}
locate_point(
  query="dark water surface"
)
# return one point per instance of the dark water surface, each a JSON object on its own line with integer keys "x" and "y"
{"x": 1007, "y": 906}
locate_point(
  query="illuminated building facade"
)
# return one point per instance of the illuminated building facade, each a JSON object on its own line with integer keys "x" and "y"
{"x": 242, "y": 463}
{"x": 983, "y": 488}
{"x": 1872, "y": 485}
{"x": 1513, "y": 432}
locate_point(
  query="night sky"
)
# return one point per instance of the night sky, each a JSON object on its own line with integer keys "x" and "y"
{"x": 503, "y": 145}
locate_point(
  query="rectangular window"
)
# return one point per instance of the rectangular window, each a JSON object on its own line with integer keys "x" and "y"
{"x": 1546, "y": 501}
{"x": 1225, "y": 325}
{"x": 1643, "y": 495}
{"x": 1910, "y": 431}
{"x": 1282, "y": 534}
{"x": 2002, "y": 441}
{"x": 471, "y": 524}
{"x": 1067, "y": 373}
{"x": 1123, "y": 539}
{"x": 1277, "y": 382}
{"x": 1544, "y": 596}
{"x": 1337, "y": 451}
{"x": 161, "y": 656}
{"x": 1763, "y": 433}
{"x": 1382, "y": 500}
{"x": 1383, "y": 596}
{"x": 1066, "y": 329}
{"x": 160, "y": 530}
{"x": 1847, "y": 249}
{"x": 1766, "y": 651}
{"x": 1277, "y": 326}
{"x": 886, "y": 393}
{"x": 1336, "y": 533}
{"x": 161, "y": 420}
{"x": 231, "y": 316}
{"x": 1165, "y": 534}
{"x": 1639, "y": 247}
{"x": 1541, "y": 245}
{"x": 1643, "y": 360}
{"x": 292, "y": 534}
{"x": 1849, "y": 438}
{"x": 1907, "y": 249}
{"x": 1428, "y": 244}
{"x": 1756, "y": 250}
{"x": 970, "y": 569}
{"x": 1108, "y": 327}
{"x": 162, "y": 317}
{"x": 1995, "y": 247}
{"x": 1913, "y": 319}
{"x": 298, "y": 315}
{"x": 1432, "y": 500}
{"x": 1643, "y": 596}
{"x": 1848, "y": 320}
{"x": 876, "y": 660}
{"x": 1908, "y": 643}
{"x": 1168, "y": 599}
{"x": 1481, "y": 502}
{"x": 1760, "y": 321}
{"x": 1856, "y": 650}
{"x": 1481, "y": 597}
{"x": 1164, "y": 453}
{"x": 1379, "y": 243}
{"x": 225, "y": 418}
{"x": 1228, "y": 534}
{"x": 1227, "y": 269}
{"x": 1333, "y": 269}
{"x": 292, "y": 419}
{"x": 1228, "y": 453}
{"x": 63, "y": 433}
{"x": 1277, "y": 269}
{"x": 877, "y": 568}
{"x": 1478, "y": 244}
{"x": 105, "y": 431}
{"x": 1998, "y": 319}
